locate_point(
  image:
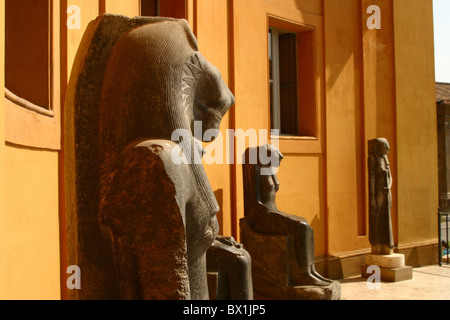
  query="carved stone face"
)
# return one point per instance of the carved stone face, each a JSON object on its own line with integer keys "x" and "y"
{"x": 205, "y": 93}
{"x": 157, "y": 82}
{"x": 384, "y": 147}
{"x": 379, "y": 147}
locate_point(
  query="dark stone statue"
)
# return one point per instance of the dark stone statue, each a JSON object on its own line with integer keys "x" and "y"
{"x": 229, "y": 265}
{"x": 281, "y": 245}
{"x": 140, "y": 221}
{"x": 380, "y": 198}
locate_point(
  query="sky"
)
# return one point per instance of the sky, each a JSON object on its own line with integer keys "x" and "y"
{"x": 442, "y": 39}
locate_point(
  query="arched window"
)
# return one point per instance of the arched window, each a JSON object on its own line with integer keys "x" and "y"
{"x": 32, "y": 73}
{"x": 27, "y": 53}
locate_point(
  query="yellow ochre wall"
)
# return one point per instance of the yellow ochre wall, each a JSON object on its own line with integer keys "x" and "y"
{"x": 3, "y": 247}
{"x": 30, "y": 185}
{"x": 29, "y": 226}
{"x": 211, "y": 29}
{"x": 29, "y": 233}
{"x": 369, "y": 83}
{"x": 302, "y": 190}
{"x": 416, "y": 122}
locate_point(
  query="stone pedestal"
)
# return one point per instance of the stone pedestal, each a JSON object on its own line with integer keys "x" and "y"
{"x": 392, "y": 267}
{"x": 275, "y": 273}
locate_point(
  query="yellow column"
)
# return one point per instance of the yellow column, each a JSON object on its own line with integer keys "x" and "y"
{"x": 345, "y": 141}
{"x": 379, "y": 89}
{"x": 212, "y": 35}
{"x": 416, "y": 122}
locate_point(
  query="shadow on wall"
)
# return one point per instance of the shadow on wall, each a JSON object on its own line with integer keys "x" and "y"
{"x": 337, "y": 268}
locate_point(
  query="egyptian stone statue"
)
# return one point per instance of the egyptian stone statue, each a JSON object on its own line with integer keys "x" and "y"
{"x": 281, "y": 245}
{"x": 380, "y": 198}
{"x": 229, "y": 266}
{"x": 140, "y": 220}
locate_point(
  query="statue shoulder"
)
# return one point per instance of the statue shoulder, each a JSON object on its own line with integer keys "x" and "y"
{"x": 165, "y": 150}
{"x": 145, "y": 171}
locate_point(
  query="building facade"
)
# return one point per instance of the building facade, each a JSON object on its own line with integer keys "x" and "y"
{"x": 443, "y": 117}
{"x": 328, "y": 74}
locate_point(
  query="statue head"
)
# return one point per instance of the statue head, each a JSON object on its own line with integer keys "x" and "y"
{"x": 156, "y": 81}
{"x": 379, "y": 147}
{"x": 261, "y": 184}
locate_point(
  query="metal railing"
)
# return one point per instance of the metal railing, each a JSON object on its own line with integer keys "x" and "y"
{"x": 443, "y": 244}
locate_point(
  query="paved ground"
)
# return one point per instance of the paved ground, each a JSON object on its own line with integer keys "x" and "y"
{"x": 428, "y": 283}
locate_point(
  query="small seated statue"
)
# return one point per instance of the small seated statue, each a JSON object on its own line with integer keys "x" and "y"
{"x": 229, "y": 266}
{"x": 281, "y": 245}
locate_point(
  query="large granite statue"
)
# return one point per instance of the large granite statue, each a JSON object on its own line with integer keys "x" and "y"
{"x": 391, "y": 265}
{"x": 281, "y": 245}
{"x": 139, "y": 222}
{"x": 230, "y": 270}
{"x": 380, "y": 198}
